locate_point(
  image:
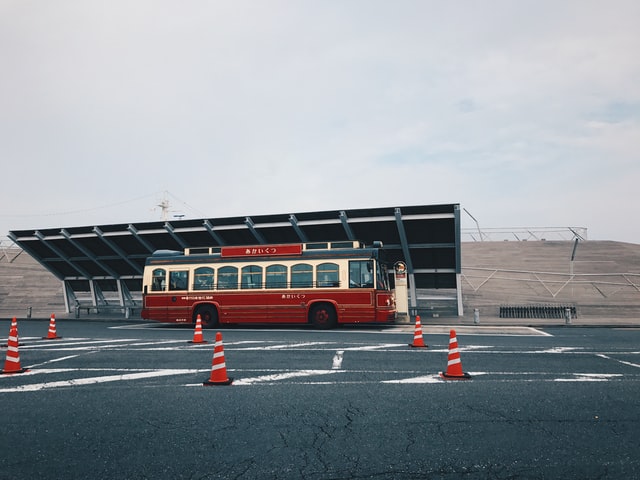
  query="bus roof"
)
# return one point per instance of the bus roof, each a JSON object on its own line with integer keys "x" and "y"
{"x": 264, "y": 252}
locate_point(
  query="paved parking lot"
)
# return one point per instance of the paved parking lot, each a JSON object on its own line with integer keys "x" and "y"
{"x": 126, "y": 400}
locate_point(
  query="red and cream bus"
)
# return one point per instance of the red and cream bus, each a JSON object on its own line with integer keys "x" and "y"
{"x": 323, "y": 284}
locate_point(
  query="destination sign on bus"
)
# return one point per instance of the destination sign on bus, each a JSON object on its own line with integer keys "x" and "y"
{"x": 261, "y": 250}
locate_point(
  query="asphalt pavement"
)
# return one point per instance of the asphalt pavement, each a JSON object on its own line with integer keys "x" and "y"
{"x": 126, "y": 400}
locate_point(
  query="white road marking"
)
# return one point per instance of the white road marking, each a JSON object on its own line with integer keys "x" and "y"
{"x": 589, "y": 377}
{"x": 284, "y": 346}
{"x": 95, "y": 380}
{"x": 517, "y": 331}
{"x": 281, "y": 376}
{"x": 619, "y": 361}
{"x": 54, "y": 360}
{"x": 157, "y": 342}
{"x": 422, "y": 379}
{"x": 84, "y": 342}
{"x": 560, "y": 350}
{"x": 376, "y": 347}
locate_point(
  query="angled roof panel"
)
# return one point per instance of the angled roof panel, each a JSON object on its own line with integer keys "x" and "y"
{"x": 427, "y": 237}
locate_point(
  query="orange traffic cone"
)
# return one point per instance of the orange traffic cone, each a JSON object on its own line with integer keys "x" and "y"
{"x": 418, "y": 341}
{"x": 12, "y": 362}
{"x": 454, "y": 364}
{"x": 218, "y": 367}
{"x": 52, "y": 335}
{"x": 197, "y": 333}
{"x": 14, "y": 325}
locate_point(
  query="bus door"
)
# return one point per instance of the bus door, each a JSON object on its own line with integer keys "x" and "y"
{"x": 177, "y": 303}
{"x": 361, "y": 284}
{"x": 167, "y": 300}
{"x": 155, "y": 302}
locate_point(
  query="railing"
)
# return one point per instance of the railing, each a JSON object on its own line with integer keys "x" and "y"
{"x": 522, "y": 234}
{"x": 9, "y": 251}
{"x": 537, "y": 311}
{"x": 590, "y": 286}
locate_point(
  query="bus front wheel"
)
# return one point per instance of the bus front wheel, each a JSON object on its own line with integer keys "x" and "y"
{"x": 208, "y": 315}
{"x": 323, "y": 316}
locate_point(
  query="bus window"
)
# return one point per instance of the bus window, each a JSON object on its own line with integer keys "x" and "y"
{"x": 276, "y": 276}
{"x": 227, "y": 278}
{"x": 158, "y": 280}
{"x": 361, "y": 274}
{"x": 251, "y": 277}
{"x": 327, "y": 275}
{"x": 203, "y": 278}
{"x": 178, "y": 280}
{"x": 301, "y": 276}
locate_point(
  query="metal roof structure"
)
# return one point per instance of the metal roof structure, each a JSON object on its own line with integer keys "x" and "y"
{"x": 110, "y": 258}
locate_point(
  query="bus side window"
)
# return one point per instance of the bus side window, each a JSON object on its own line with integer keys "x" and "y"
{"x": 203, "y": 278}
{"x": 302, "y": 275}
{"x": 251, "y": 277}
{"x": 227, "y": 278}
{"x": 178, "y": 280}
{"x": 328, "y": 275}
{"x": 276, "y": 276}
{"x": 158, "y": 280}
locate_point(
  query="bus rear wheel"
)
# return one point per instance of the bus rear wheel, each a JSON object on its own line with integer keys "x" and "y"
{"x": 323, "y": 316}
{"x": 208, "y": 315}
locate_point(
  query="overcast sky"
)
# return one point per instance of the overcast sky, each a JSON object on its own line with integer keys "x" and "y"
{"x": 526, "y": 113}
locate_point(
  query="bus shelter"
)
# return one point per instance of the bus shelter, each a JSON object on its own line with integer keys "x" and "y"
{"x": 101, "y": 266}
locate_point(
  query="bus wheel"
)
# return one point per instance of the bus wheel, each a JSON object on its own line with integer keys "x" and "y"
{"x": 323, "y": 316}
{"x": 208, "y": 315}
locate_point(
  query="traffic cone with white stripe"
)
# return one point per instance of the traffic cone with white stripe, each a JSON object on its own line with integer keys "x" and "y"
{"x": 52, "y": 335}
{"x": 218, "y": 366}
{"x": 418, "y": 341}
{"x": 197, "y": 333}
{"x": 454, "y": 364}
{"x": 12, "y": 362}
{"x": 14, "y": 324}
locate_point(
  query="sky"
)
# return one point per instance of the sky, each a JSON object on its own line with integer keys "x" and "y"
{"x": 526, "y": 113}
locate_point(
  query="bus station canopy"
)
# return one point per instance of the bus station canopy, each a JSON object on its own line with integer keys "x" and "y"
{"x": 425, "y": 237}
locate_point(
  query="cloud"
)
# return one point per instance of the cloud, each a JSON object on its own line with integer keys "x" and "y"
{"x": 524, "y": 112}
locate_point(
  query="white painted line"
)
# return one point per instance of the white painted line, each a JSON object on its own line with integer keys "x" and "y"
{"x": 560, "y": 350}
{"x": 497, "y": 330}
{"x": 368, "y": 348}
{"x": 157, "y": 342}
{"x": 136, "y": 326}
{"x": 619, "y": 361}
{"x": 41, "y": 371}
{"x": 284, "y": 346}
{"x": 589, "y": 377}
{"x": 56, "y": 345}
{"x": 500, "y": 330}
{"x": 422, "y": 379}
{"x": 95, "y": 380}
{"x": 467, "y": 348}
{"x": 281, "y": 376}
{"x": 61, "y": 359}
{"x": 180, "y": 348}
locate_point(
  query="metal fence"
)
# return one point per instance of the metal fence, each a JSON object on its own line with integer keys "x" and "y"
{"x": 591, "y": 287}
{"x": 522, "y": 234}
